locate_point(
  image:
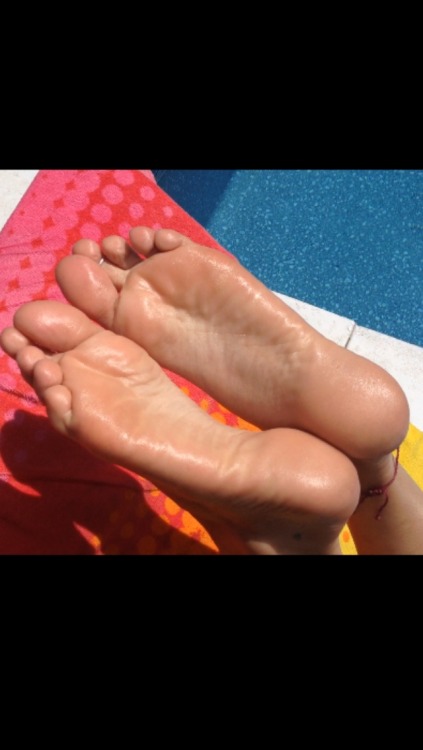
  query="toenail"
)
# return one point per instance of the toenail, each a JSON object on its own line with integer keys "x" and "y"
{"x": 100, "y": 261}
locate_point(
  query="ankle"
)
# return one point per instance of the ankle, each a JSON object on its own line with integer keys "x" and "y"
{"x": 376, "y": 478}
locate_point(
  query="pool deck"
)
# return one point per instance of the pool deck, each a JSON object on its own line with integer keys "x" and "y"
{"x": 403, "y": 360}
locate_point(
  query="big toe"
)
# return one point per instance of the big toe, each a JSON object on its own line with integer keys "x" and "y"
{"x": 54, "y": 326}
{"x": 88, "y": 286}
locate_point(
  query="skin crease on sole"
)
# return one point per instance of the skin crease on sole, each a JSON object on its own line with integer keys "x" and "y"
{"x": 281, "y": 491}
{"x": 199, "y": 313}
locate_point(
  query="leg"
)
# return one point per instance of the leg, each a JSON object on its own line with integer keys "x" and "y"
{"x": 282, "y": 491}
{"x": 201, "y": 314}
{"x": 398, "y": 530}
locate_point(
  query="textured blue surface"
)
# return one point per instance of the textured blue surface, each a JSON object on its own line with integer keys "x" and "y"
{"x": 347, "y": 241}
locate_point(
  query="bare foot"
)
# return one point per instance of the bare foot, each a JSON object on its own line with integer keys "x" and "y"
{"x": 201, "y": 314}
{"x": 280, "y": 491}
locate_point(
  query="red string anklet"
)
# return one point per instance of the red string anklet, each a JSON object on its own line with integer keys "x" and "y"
{"x": 382, "y": 490}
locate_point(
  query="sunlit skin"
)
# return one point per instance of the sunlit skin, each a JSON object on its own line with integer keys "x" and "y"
{"x": 199, "y": 313}
{"x": 281, "y": 491}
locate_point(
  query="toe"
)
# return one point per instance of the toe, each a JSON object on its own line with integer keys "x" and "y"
{"x": 89, "y": 287}
{"x": 168, "y": 239}
{"x": 27, "y": 358}
{"x": 47, "y": 373}
{"x": 148, "y": 242}
{"x": 142, "y": 240}
{"x": 118, "y": 252}
{"x": 47, "y": 382}
{"x": 88, "y": 248}
{"x": 58, "y": 402}
{"x": 54, "y": 326}
{"x": 12, "y": 341}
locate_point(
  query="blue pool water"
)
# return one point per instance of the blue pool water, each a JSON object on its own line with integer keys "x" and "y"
{"x": 349, "y": 241}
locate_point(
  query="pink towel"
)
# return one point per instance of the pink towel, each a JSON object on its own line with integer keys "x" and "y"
{"x": 55, "y": 497}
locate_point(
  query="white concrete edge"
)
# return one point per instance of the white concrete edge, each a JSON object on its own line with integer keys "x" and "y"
{"x": 331, "y": 325}
{"x": 402, "y": 360}
{"x": 13, "y": 185}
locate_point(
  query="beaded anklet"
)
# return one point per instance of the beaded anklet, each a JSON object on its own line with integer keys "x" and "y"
{"x": 382, "y": 490}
